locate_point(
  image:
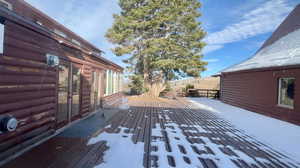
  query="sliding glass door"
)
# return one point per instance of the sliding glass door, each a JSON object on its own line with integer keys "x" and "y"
{"x": 63, "y": 94}
{"x": 69, "y": 89}
{"x": 76, "y": 89}
{"x": 95, "y": 90}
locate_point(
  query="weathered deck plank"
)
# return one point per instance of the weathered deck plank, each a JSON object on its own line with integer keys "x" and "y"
{"x": 176, "y": 134}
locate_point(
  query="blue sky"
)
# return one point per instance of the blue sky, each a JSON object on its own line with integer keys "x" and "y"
{"x": 235, "y": 28}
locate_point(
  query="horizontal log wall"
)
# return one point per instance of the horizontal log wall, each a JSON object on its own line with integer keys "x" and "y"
{"x": 257, "y": 91}
{"x": 27, "y": 87}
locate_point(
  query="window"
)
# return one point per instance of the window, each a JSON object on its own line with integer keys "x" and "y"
{"x": 109, "y": 82}
{"x": 286, "y": 92}
{"x": 111, "y": 87}
{"x": 2, "y": 27}
{"x": 76, "y": 42}
{"x": 121, "y": 83}
{"x": 5, "y": 4}
{"x": 60, "y": 33}
{"x": 113, "y": 82}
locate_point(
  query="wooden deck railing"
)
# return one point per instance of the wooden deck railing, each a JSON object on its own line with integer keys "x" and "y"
{"x": 209, "y": 93}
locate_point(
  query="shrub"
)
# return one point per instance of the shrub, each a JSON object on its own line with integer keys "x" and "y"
{"x": 187, "y": 87}
{"x": 137, "y": 85}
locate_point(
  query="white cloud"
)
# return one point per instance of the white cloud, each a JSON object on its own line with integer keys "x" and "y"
{"x": 211, "y": 60}
{"x": 211, "y": 48}
{"x": 260, "y": 20}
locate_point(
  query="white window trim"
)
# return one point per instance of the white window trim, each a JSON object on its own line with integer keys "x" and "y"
{"x": 279, "y": 94}
{"x": 10, "y": 7}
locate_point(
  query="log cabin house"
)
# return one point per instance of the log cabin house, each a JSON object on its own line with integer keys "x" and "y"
{"x": 49, "y": 78}
{"x": 269, "y": 82}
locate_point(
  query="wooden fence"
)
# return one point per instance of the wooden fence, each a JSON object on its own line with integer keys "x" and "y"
{"x": 209, "y": 93}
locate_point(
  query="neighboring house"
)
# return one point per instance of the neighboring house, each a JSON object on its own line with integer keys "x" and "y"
{"x": 49, "y": 77}
{"x": 269, "y": 82}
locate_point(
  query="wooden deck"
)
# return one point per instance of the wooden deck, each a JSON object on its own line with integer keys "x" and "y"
{"x": 174, "y": 134}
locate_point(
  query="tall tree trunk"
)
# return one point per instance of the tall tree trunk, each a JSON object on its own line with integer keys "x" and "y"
{"x": 154, "y": 89}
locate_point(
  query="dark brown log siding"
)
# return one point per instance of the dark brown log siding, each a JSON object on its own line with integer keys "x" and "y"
{"x": 28, "y": 87}
{"x": 257, "y": 91}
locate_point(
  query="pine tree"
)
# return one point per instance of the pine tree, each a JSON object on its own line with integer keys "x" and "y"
{"x": 162, "y": 37}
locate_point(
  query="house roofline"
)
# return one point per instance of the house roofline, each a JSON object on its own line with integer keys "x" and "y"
{"x": 85, "y": 42}
{"x": 277, "y": 68}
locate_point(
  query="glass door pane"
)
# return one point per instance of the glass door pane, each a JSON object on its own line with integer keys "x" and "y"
{"x": 95, "y": 99}
{"x": 93, "y": 91}
{"x": 63, "y": 94}
{"x": 76, "y": 83}
{"x": 99, "y": 90}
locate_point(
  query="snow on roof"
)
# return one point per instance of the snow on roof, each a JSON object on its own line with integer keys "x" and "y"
{"x": 281, "y": 49}
{"x": 283, "y": 52}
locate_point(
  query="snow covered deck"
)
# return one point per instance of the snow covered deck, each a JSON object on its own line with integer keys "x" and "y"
{"x": 172, "y": 133}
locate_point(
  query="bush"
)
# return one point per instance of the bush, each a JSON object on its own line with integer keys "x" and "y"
{"x": 187, "y": 87}
{"x": 137, "y": 85}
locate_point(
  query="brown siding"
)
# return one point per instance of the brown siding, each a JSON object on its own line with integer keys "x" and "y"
{"x": 28, "y": 87}
{"x": 26, "y": 10}
{"x": 32, "y": 14}
{"x": 257, "y": 91}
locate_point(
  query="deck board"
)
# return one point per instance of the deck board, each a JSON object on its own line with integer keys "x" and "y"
{"x": 190, "y": 137}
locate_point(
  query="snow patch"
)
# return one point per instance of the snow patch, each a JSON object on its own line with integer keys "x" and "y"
{"x": 276, "y": 133}
{"x": 122, "y": 151}
{"x": 174, "y": 132}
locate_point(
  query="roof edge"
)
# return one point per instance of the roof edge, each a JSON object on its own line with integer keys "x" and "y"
{"x": 76, "y": 35}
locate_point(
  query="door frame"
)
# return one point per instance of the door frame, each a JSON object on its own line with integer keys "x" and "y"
{"x": 67, "y": 121}
{"x": 70, "y": 118}
{"x": 96, "y": 98}
{"x": 80, "y": 67}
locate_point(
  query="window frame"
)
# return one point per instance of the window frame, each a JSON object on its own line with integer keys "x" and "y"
{"x": 279, "y": 94}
